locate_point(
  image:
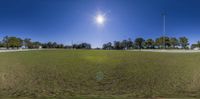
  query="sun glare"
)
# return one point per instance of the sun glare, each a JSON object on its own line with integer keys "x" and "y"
{"x": 100, "y": 19}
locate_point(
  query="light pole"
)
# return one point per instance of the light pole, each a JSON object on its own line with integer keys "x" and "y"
{"x": 164, "y": 32}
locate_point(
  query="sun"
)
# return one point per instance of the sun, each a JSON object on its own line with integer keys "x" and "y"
{"x": 100, "y": 19}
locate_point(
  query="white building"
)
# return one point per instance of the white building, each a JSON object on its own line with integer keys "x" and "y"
{"x": 196, "y": 48}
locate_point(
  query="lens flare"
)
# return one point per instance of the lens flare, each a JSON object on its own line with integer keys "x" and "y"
{"x": 100, "y": 19}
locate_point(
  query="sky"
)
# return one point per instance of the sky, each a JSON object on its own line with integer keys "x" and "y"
{"x": 73, "y": 21}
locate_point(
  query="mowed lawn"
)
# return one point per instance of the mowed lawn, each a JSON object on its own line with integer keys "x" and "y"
{"x": 97, "y": 74}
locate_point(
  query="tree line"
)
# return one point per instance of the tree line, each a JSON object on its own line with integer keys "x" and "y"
{"x": 158, "y": 43}
{"x": 195, "y": 45}
{"x": 16, "y": 43}
{"x": 138, "y": 43}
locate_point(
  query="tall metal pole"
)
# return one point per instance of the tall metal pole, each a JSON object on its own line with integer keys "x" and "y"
{"x": 164, "y": 33}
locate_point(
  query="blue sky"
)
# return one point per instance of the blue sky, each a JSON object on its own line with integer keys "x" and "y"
{"x": 67, "y": 21}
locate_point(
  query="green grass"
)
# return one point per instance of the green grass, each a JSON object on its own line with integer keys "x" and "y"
{"x": 90, "y": 74}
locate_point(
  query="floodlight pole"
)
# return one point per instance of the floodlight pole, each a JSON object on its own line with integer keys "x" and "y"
{"x": 164, "y": 32}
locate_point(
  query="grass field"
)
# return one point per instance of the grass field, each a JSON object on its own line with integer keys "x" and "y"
{"x": 93, "y": 74}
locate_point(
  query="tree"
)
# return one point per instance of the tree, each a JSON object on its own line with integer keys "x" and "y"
{"x": 60, "y": 46}
{"x": 194, "y": 46}
{"x": 183, "y": 42}
{"x": 124, "y": 44}
{"x": 167, "y": 42}
{"x": 75, "y": 46}
{"x": 163, "y": 42}
{"x": 149, "y": 43}
{"x": 1, "y": 44}
{"x": 174, "y": 42}
{"x": 15, "y": 42}
{"x": 129, "y": 43}
{"x": 44, "y": 45}
{"x": 36, "y": 44}
{"x": 85, "y": 46}
{"x": 139, "y": 42}
{"x": 68, "y": 46}
{"x": 117, "y": 45}
{"x": 49, "y": 45}
{"x": 54, "y": 45}
{"x": 107, "y": 46}
{"x": 28, "y": 43}
{"x": 5, "y": 42}
{"x": 198, "y": 44}
{"x": 82, "y": 46}
{"x": 159, "y": 42}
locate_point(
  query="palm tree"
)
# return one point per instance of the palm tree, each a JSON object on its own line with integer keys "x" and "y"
{"x": 139, "y": 42}
{"x": 159, "y": 42}
{"x": 174, "y": 42}
{"x": 183, "y": 42}
{"x": 150, "y": 43}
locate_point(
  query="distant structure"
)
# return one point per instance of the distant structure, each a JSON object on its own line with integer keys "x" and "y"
{"x": 196, "y": 48}
{"x": 40, "y": 47}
